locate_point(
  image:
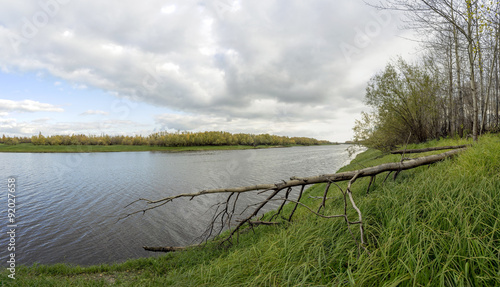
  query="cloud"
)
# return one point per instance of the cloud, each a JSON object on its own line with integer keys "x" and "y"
{"x": 12, "y": 126}
{"x": 168, "y": 9}
{"x": 27, "y": 106}
{"x": 217, "y": 59}
{"x": 287, "y": 120}
{"x": 94, "y": 112}
{"x": 42, "y": 120}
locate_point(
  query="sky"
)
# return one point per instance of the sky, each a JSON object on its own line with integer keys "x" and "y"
{"x": 284, "y": 67}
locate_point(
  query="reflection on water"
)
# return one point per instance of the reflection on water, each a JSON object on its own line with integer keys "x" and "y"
{"x": 68, "y": 204}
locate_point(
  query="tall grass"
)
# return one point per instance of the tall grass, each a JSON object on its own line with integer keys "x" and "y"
{"x": 432, "y": 226}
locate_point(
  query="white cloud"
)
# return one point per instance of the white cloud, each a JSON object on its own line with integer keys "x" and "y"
{"x": 94, "y": 112}
{"x": 217, "y": 59}
{"x": 42, "y": 120}
{"x": 169, "y": 9}
{"x": 68, "y": 34}
{"x": 14, "y": 127}
{"x": 27, "y": 106}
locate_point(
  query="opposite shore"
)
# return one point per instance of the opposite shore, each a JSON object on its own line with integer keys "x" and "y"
{"x": 31, "y": 148}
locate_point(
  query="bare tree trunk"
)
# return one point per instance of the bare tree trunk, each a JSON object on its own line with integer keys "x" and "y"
{"x": 461, "y": 116}
{"x": 490, "y": 79}
{"x": 481, "y": 96}
{"x": 497, "y": 64}
{"x": 451, "y": 115}
{"x": 471, "y": 53}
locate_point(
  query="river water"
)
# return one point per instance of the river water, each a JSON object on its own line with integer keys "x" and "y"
{"x": 68, "y": 205}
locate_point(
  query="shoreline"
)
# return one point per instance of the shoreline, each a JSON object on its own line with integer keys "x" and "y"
{"x": 30, "y": 148}
{"x": 153, "y": 256}
{"x": 389, "y": 207}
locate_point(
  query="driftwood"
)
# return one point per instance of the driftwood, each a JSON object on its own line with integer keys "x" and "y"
{"x": 164, "y": 249}
{"x": 225, "y": 210}
{"x": 420, "y": 150}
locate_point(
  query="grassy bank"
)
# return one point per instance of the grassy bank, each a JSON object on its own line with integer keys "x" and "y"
{"x": 432, "y": 226}
{"x": 28, "y": 147}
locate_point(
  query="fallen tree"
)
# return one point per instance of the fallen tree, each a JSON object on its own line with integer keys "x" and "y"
{"x": 420, "y": 150}
{"x": 223, "y": 216}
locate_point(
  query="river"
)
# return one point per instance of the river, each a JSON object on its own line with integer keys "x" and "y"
{"x": 68, "y": 205}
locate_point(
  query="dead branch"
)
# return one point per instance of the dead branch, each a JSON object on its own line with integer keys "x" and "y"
{"x": 388, "y": 174}
{"x": 372, "y": 179}
{"x": 264, "y": 223}
{"x": 361, "y": 229}
{"x": 282, "y": 204}
{"x": 255, "y": 212}
{"x": 296, "y": 204}
{"x": 324, "y": 196}
{"x": 296, "y": 181}
{"x": 402, "y": 156}
{"x": 224, "y": 213}
{"x": 165, "y": 248}
{"x": 420, "y": 150}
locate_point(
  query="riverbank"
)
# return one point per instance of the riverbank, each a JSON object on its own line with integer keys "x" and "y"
{"x": 31, "y": 148}
{"x": 437, "y": 226}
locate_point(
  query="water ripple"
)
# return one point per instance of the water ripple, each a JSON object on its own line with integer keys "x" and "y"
{"x": 69, "y": 204}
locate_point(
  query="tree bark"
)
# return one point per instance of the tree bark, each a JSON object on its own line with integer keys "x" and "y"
{"x": 296, "y": 181}
{"x": 461, "y": 115}
{"x": 471, "y": 52}
{"x": 428, "y": 149}
{"x": 488, "y": 91}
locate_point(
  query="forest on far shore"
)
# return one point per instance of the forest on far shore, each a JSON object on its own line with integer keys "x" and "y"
{"x": 166, "y": 139}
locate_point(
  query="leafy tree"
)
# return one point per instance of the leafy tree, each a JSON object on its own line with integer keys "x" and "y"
{"x": 168, "y": 139}
{"x": 54, "y": 140}
{"x": 11, "y": 141}
{"x": 405, "y": 99}
{"x": 38, "y": 140}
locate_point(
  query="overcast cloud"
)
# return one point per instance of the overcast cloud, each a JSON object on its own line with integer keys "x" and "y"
{"x": 288, "y": 67}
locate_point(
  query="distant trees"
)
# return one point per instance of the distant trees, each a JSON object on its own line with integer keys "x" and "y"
{"x": 11, "y": 141}
{"x": 167, "y": 139}
{"x": 38, "y": 140}
{"x": 225, "y": 138}
{"x": 14, "y": 140}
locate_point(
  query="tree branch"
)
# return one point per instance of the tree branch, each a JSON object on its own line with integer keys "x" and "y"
{"x": 428, "y": 149}
{"x": 224, "y": 215}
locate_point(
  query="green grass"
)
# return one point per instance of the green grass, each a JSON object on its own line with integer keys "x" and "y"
{"x": 27, "y": 147}
{"x": 432, "y": 226}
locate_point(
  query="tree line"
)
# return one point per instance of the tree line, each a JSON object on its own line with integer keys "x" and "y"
{"x": 166, "y": 139}
{"x": 452, "y": 90}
